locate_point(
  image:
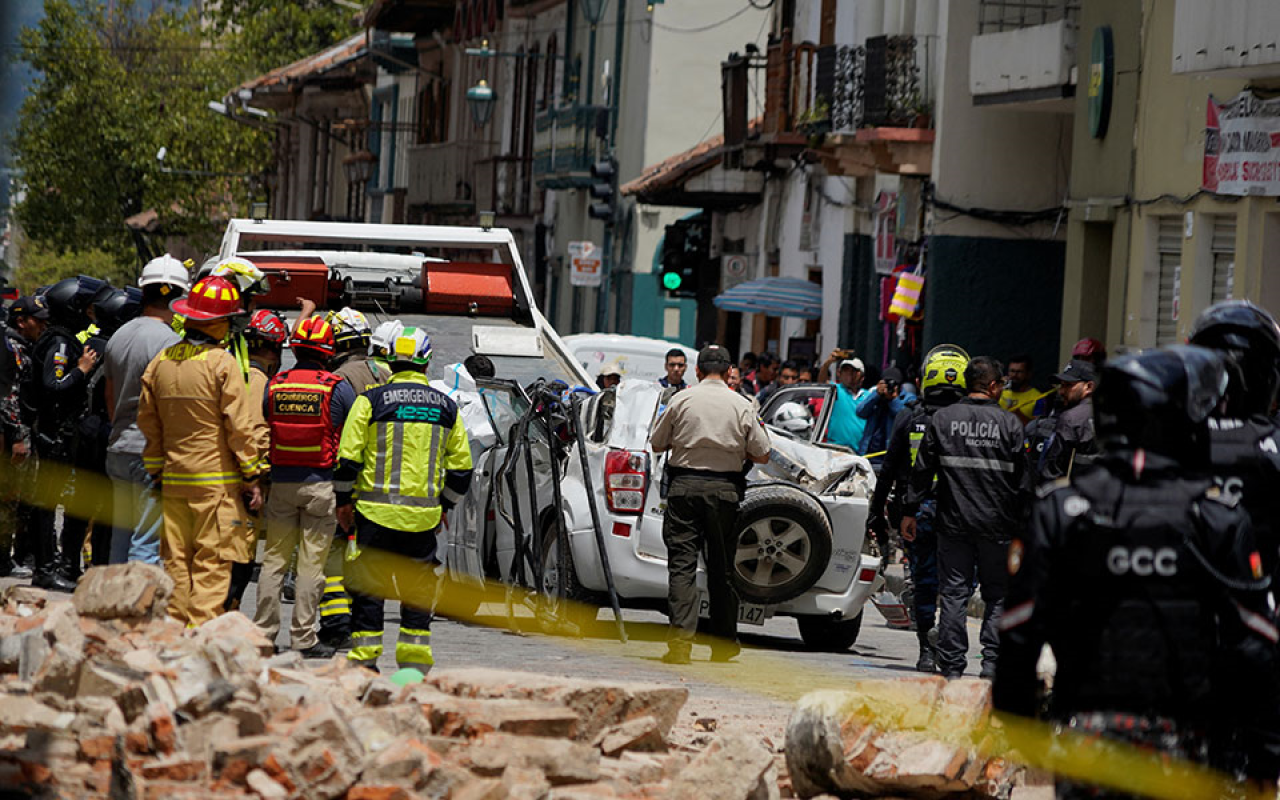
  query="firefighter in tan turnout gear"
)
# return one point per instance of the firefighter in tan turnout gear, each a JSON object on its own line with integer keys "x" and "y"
{"x": 202, "y": 450}
{"x": 404, "y": 453}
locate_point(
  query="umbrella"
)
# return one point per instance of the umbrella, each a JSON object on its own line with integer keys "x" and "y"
{"x": 775, "y": 297}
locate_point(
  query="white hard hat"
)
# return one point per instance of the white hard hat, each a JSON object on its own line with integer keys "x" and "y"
{"x": 612, "y": 368}
{"x": 793, "y": 418}
{"x": 243, "y": 272}
{"x": 383, "y": 337}
{"x": 165, "y": 269}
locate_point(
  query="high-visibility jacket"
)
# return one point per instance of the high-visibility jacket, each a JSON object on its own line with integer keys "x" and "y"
{"x": 363, "y": 373}
{"x": 298, "y": 405}
{"x": 195, "y": 412}
{"x": 405, "y": 453}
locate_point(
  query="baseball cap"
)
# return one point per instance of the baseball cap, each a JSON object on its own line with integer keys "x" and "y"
{"x": 856, "y": 363}
{"x": 31, "y": 306}
{"x": 893, "y": 374}
{"x": 1077, "y": 370}
{"x": 612, "y": 368}
{"x": 713, "y": 355}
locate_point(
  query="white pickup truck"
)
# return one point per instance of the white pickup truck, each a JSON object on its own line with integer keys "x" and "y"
{"x": 469, "y": 289}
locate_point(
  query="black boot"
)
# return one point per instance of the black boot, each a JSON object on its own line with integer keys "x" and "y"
{"x": 49, "y": 578}
{"x": 928, "y": 660}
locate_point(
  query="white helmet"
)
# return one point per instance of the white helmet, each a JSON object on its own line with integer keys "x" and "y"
{"x": 794, "y": 418}
{"x": 412, "y": 346}
{"x": 244, "y": 273}
{"x": 385, "y": 335}
{"x": 165, "y": 269}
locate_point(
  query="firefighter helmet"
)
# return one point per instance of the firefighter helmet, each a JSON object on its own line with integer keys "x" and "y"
{"x": 412, "y": 346}
{"x": 314, "y": 337}
{"x": 268, "y": 326}
{"x": 211, "y": 298}
{"x": 351, "y": 329}
{"x": 943, "y": 377}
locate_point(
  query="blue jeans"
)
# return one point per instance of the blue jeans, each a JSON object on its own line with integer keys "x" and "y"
{"x": 138, "y": 517}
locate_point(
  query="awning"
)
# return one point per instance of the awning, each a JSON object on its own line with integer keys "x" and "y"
{"x": 774, "y": 297}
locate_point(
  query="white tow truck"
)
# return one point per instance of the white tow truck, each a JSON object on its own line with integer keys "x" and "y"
{"x": 469, "y": 289}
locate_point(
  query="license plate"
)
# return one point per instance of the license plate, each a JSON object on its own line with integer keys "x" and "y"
{"x": 748, "y": 613}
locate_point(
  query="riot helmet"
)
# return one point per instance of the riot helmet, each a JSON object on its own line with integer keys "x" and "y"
{"x": 118, "y": 307}
{"x": 1250, "y": 338}
{"x": 67, "y": 305}
{"x": 1159, "y": 401}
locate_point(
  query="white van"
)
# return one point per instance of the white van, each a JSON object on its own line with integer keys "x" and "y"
{"x": 638, "y": 357}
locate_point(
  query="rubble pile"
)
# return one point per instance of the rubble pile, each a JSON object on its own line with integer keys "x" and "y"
{"x": 908, "y": 737}
{"x": 105, "y": 696}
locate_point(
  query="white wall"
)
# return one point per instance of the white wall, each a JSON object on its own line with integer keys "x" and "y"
{"x": 988, "y": 157}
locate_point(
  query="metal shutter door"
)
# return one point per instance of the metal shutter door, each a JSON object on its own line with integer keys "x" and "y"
{"x": 1169, "y": 246}
{"x": 1224, "y": 258}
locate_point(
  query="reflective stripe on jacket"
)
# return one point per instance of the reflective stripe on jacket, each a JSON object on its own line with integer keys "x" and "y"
{"x": 298, "y": 407}
{"x": 405, "y": 450}
{"x": 195, "y": 412}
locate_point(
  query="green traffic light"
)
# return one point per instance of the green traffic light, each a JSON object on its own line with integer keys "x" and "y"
{"x": 672, "y": 280}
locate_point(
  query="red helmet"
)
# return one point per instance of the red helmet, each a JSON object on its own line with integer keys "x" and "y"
{"x": 211, "y": 298}
{"x": 1089, "y": 350}
{"x": 268, "y": 326}
{"x": 315, "y": 334}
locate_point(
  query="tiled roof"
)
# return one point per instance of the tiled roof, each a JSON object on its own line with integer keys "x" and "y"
{"x": 311, "y": 66}
{"x": 682, "y": 166}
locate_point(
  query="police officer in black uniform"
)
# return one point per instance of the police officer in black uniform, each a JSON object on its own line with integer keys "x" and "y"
{"x": 974, "y": 449}
{"x": 1072, "y": 444}
{"x": 1143, "y": 577}
{"x": 1244, "y": 442}
{"x": 942, "y": 383}
{"x": 56, "y": 391}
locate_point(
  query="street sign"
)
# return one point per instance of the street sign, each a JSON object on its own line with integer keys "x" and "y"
{"x": 584, "y": 264}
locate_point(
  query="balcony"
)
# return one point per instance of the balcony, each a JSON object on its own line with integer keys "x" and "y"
{"x": 859, "y": 109}
{"x": 1236, "y": 39}
{"x": 564, "y": 146}
{"x": 1031, "y": 67}
{"x": 503, "y": 185}
{"x": 443, "y": 176}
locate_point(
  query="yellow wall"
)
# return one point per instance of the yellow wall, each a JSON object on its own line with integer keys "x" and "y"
{"x": 1169, "y": 148}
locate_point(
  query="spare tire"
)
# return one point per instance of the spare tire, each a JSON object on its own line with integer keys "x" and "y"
{"x": 783, "y": 544}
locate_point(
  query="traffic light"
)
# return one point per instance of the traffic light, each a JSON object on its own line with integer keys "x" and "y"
{"x": 678, "y": 269}
{"x": 604, "y": 190}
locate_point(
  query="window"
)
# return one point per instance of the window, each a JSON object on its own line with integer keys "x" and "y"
{"x": 1223, "y": 248}
{"x": 1169, "y": 250}
{"x": 517, "y": 106}
{"x": 549, "y": 76}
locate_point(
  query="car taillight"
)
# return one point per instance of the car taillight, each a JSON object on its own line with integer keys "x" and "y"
{"x": 866, "y": 575}
{"x": 626, "y": 477}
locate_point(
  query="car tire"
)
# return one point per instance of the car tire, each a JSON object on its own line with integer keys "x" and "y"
{"x": 580, "y": 613}
{"x": 827, "y": 635}
{"x": 782, "y": 547}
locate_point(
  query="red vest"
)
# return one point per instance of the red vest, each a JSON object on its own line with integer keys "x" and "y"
{"x": 302, "y": 429}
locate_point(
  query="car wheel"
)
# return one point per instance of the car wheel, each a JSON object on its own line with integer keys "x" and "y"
{"x": 828, "y": 635}
{"x": 578, "y": 614}
{"x": 783, "y": 545}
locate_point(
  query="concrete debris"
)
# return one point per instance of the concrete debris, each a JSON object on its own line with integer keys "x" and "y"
{"x": 104, "y": 696}
{"x": 913, "y": 737}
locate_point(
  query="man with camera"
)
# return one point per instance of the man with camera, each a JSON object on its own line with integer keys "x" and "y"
{"x": 878, "y": 409}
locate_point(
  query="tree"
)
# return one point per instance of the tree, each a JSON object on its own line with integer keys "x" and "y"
{"x": 272, "y": 33}
{"x": 113, "y": 86}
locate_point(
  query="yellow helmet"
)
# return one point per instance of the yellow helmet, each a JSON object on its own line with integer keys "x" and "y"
{"x": 944, "y": 372}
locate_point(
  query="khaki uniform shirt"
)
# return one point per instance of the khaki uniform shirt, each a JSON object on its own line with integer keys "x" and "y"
{"x": 363, "y": 373}
{"x": 196, "y": 414}
{"x": 709, "y": 427}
